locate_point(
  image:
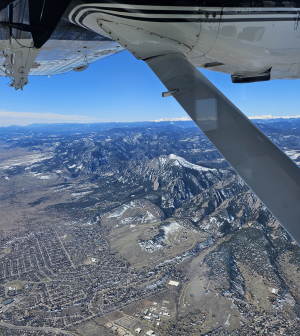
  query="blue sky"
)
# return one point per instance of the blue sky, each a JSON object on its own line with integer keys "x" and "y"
{"x": 121, "y": 88}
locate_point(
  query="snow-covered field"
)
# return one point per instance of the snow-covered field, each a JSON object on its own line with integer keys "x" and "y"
{"x": 171, "y": 230}
{"x": 135, "y": 212}
{"x": 26, "y": 160}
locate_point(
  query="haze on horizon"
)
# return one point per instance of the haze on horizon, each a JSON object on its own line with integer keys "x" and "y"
{"x": 10, "y": 119}
{"x": 121, "y": 88}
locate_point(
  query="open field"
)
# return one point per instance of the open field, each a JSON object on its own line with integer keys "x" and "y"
{"x": 93, "y": 329}
{"x": 146, "y": 244}
{"x": 4, "y": 251}
{"x": 17, "y": 284}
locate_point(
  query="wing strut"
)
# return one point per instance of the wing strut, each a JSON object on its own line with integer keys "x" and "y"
{"x": 270, "y": 173}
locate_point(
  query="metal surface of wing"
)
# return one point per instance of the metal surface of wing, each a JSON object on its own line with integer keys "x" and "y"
{"x": 271, "y": 174}
{"x": 70, "y": 47}
{"x": 67, "y": 47}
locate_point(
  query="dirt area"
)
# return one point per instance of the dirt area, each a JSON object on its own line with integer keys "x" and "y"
{"x": 93, "y": 329}
{"x": 199, "y": 292}
{"x": 26, "y": 196}
{"x": 4, "y": 251}
{"x": 256, "y": 290}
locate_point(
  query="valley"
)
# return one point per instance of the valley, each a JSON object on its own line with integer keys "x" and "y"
{"x": 127, "y": 228}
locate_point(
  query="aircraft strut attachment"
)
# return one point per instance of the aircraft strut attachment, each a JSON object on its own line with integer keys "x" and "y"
{"x": 18, "y": 61}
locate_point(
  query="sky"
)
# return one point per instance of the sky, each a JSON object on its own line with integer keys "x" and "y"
{"x": 121, "y": 88}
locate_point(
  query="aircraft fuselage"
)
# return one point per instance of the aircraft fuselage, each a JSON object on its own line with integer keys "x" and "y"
{"x": 246, "y": 40}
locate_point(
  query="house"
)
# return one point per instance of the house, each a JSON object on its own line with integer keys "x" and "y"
{"x": 173, "y": 283}
{"x": 273, "y": 290}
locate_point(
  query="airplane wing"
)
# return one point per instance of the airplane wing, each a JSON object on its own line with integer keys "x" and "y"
{"x": 63, "y": 48}
{"x": 72, "y": 47}
{"x": 69, "y": 47}
{"x": 269, "y": 172}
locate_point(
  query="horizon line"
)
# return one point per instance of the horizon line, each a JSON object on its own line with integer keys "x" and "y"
{"x": 187, "y": 118}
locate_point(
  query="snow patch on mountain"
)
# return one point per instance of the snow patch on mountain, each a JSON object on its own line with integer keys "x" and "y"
{"x": 139, "y": 211}
{"x": 173, "y": 119}
{"x": 184, "y": 163}
{"x": 162, "y": 240}
{"x": 171, "y": 229}
{"x": 150, "y": 245}
{"x": 269, "y": 116}
{"x": 119, "y": 211}
{"x": 292, "y": 154}
{"x": 144, "y": 217}
{"x": 45, "y": 177}
{"x": 81, "y": 193}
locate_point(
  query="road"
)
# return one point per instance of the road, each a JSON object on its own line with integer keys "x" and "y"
{"x": 55, "y": 330}
{"x": 58, "y": 237}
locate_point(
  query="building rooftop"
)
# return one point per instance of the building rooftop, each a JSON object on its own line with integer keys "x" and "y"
{"x": 7, "y": 302}
{"x": 174, "y": 283}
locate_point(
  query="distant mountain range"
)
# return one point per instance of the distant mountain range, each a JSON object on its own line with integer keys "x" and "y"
{"x": 187, "y": 118}
{"x": 263, "y": 117}
{"x": 270, "y": 117}
{"x": 286, "y": 122}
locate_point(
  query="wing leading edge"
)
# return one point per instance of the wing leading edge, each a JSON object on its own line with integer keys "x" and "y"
{"x": 268, "y": 171}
